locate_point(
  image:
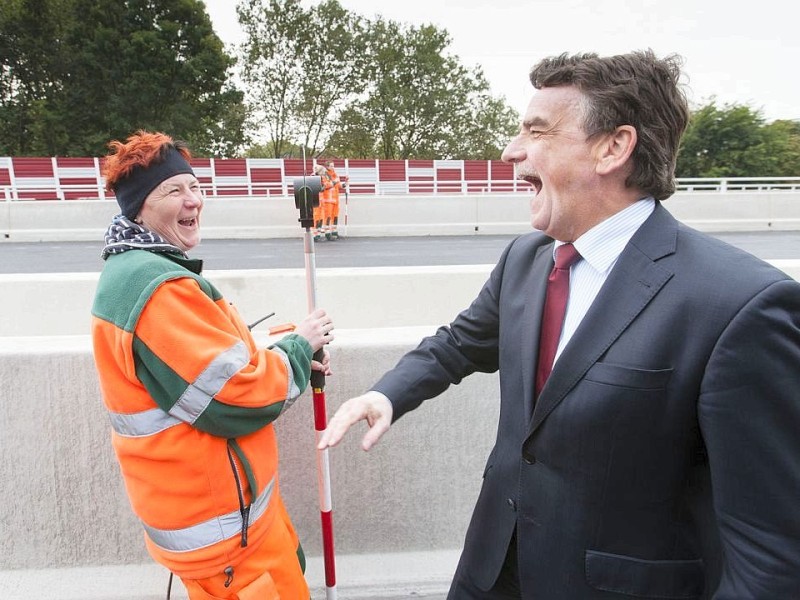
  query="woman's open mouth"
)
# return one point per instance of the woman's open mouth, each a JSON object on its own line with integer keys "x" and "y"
{"x": 188, "y": 222}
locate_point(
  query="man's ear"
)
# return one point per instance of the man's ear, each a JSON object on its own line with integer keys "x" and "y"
{"x": 615, "y": 148}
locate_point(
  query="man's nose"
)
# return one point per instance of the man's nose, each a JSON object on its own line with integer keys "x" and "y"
{"x": 513, "y": 153}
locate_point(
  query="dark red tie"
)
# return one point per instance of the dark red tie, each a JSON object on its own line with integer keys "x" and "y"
{"x": 555, "y": 305}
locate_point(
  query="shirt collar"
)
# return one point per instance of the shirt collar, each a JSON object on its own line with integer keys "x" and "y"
{"x": 603, "y": 243}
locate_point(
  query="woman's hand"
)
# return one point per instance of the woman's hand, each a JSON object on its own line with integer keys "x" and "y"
{"x": 316, "y": 328}
{"x": 325, "y": 365}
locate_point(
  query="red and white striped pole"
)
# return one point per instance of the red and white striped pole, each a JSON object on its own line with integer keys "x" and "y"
{"x": 318, "y": 389}
{"x": 320, "y": 423}
{"x": 325, "y": 504}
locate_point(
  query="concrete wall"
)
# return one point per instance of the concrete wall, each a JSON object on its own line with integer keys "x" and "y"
{"x": 387, "y": 297}
{"x": 51, "y": 304}
{"x": 62, "y": 503}
{"x": 400, "y": 511}
{"x": 442, "y": 214}
{"x": 61, "y": 498}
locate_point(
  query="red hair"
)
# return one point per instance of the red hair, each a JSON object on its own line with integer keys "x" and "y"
{"x": 141, "y": 149}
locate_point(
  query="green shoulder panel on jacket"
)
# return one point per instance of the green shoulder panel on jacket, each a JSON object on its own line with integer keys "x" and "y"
{"x": 130, "y": 278}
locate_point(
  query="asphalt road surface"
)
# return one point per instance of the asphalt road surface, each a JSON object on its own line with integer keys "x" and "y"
{"x": 283, "y": 253}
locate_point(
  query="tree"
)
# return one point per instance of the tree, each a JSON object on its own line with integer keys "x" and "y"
{"x": 783, "y": 140}
{"x": 334, "y": 68}
{"x": 420, "y": 102}
{"x": 272, "y": 67}
{"x": 734, "y": 141}
{"x": 353, "y": 136}
{"x": 484, "y": 126}
{"x": 329, "y": 80}
{"x": 299, "y": 66}
{"x": 31, "y": 37}
{"x": 114, "y": 67}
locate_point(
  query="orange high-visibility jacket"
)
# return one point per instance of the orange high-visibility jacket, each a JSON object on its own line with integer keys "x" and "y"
{"x": 191, "y": 400}
{"x": 336, "y": 183}
{"x": 326, "y": 194}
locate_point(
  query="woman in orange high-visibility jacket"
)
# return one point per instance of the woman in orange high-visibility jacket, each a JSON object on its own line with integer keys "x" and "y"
{"x": 191, "y": 397}
{"x": 336, "y": 186}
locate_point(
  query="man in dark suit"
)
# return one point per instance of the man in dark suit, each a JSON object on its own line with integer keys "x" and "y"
{"x": 661, "y": 456}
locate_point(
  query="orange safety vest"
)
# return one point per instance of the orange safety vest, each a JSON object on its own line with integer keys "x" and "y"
{"x": 336, "y": 183}
{"x": 326, "y": 195}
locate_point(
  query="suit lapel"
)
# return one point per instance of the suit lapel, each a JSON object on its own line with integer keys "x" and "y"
{"x": 532, "y": 320}
{"x": 632, "y": 284}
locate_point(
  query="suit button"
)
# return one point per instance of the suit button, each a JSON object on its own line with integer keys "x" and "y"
{"x": 512, "y": 504}
{"x": 528, "y": 458}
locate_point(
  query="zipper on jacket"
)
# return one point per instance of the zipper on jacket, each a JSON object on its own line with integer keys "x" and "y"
{"x": 244, "y": 509}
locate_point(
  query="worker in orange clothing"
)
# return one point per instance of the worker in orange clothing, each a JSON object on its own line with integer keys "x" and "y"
{"x": 334, "y": 211}
{"x": 190, "y": 395}
{"x": 323, "y": 214}
{"x": 319, "y": 210}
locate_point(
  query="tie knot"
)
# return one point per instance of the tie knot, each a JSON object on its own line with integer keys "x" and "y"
{"x": 566, "y": 255}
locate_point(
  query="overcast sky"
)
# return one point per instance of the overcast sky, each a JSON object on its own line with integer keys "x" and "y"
{"x": 740, "y": 52}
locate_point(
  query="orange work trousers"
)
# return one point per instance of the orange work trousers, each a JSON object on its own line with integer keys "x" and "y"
{"x": 272, "y": 572}
{"x": 331, "y": 211}
{"x": 319, "y": 214}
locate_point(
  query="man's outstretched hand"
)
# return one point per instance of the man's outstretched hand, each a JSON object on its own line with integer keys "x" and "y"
{"x": 373, "y": 407}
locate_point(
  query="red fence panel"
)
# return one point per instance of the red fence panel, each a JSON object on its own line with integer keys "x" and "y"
{"x": 421, "y": 176}
{"x": 5, "y": 178}
{"x": 502, "y": 177}
{"x": 266, "y": 176}
{"x": 78, "y": 178}
{"x": 392, "y": 176}
{"x": 230, "y": 177}
{"x": 449, "y": 175}
{"x": 45, "y": 178}
{"x": 34, "y": 178}
{"x": 362, "y": 175}
{"x": 476, "y": 175}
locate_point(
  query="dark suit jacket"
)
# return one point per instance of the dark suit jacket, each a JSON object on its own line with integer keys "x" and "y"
{"x": 682, "y": 379}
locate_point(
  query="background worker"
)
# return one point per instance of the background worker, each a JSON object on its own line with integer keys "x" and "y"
{"x": 337, "y": 186}
{"x": 191, "y": 397}
{"x": 647, "y": 441}
{"x": 324, "y": 211}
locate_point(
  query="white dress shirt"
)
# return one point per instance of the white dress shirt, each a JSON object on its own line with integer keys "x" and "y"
{"x": 599, "y": 248}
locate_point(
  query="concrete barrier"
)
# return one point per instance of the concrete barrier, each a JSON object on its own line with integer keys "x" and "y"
{"x": 58, "y": 303}
{"x": 51, "y": 304}
{"x": 62, "y": 503}
{"x": 441, "y": 214}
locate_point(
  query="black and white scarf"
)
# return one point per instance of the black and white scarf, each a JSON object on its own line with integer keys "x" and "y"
{"x": 123, "y": 235}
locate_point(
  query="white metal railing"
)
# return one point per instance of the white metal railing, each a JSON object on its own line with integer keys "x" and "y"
{"x": 737, "y": 184}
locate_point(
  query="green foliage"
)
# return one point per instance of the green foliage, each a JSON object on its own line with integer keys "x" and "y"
{"x": 299, "y": 67}
{"x": 75, "y": 74}
{"x": 331, "y": 81}
{"x": 420, "y": 102}
{"x": 82, "y": 72}
{"x": 734, "y": 141}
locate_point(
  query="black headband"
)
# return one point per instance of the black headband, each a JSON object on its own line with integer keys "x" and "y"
{"x": 133, "y": 189}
